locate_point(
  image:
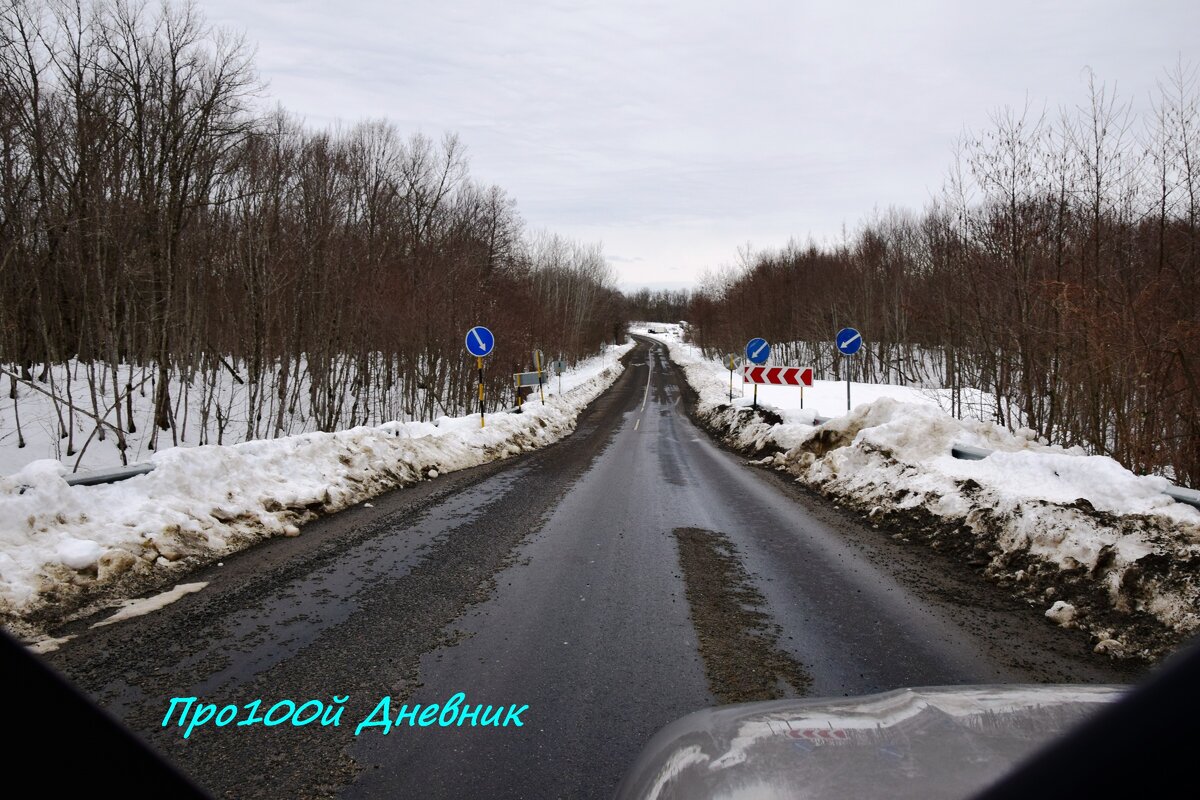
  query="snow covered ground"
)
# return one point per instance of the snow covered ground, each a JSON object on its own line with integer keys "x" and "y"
{"x": 63, "y": 546}
{"x": 210, "y": 408}
{"x": 1099, "y": 547}
{"x": 214, "y": 410}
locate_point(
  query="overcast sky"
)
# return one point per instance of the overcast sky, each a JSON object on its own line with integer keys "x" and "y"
{"x": 675, "y": 132}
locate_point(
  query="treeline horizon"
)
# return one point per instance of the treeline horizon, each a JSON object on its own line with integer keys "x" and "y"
{"x": 1058, "y": 269}
{"x": 150, "y": 215}
{"x": 657, "y": 305}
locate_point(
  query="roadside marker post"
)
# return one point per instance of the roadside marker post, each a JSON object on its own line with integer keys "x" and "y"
{"x": 479, "y": 368}
{"x": 480, "y": 342}
{"x": 848, "y": 341}
{"x": 757, "y": 352}
{"x": 732, "y": 360}
{"x": 537, "y": 365}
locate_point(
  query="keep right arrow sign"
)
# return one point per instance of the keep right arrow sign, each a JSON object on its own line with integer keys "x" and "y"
{"x": 848, "y": 341}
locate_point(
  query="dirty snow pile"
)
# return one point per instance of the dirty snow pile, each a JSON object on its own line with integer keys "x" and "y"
{"x": 61, "y": 546}
{"x": 1097, "y": 546}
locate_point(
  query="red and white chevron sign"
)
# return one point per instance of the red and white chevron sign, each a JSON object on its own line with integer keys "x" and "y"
{"x": 779, "y": 376}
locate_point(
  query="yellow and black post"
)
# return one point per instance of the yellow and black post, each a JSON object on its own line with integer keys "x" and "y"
{"x": 537, "y": 363}
{"x": 479, "y": 365}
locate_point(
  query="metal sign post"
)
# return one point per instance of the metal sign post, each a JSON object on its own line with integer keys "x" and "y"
{"x": 848, "y": 341}
{"x": 479, "y": 368}
{"x": 757, "y": 352}
{"x": 480, "y": 342}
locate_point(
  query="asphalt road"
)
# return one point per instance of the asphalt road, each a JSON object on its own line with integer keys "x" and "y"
{"x": 613, "y": 582}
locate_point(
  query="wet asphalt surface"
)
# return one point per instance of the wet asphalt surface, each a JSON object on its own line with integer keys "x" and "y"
{"x": 554, "y": 580}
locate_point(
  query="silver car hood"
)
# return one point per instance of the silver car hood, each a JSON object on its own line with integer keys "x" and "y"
{"x": 919, "y": 743}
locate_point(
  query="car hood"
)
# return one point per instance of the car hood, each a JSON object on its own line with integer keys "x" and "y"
{"x": 918, "y": 743}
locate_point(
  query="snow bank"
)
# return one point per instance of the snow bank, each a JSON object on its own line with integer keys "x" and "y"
{"x": 61, "y": 545}
{"x": 1052, "y": 525}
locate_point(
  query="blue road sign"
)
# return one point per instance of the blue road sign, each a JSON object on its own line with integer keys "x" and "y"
{"x": 848, "y": 341}
{"x": 480, "y": 341}
{"x": 757, "y": 350}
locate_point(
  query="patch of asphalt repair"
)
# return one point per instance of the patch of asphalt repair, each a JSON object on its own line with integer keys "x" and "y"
{"x": 739, "y": 644}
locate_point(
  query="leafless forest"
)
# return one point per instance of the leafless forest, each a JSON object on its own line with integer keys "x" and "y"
{"x": 1058, "y": 270}
{"x": 158, "y": 232}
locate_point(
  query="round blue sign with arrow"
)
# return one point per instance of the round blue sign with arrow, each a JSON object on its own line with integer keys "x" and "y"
{"x": 480, "y": 341}
{"x": 848, "y": 341}
{"x": 757, "y": 350}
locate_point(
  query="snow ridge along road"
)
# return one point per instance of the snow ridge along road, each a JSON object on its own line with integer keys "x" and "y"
{"x": 571, "y": 579}
{"x": 63, "y": 547}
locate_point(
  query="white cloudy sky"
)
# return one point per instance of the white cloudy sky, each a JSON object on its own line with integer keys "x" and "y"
{"x": 674, "y": 132}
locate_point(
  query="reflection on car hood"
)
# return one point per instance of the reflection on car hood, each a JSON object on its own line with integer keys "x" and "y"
{"x": 918, "y": 743}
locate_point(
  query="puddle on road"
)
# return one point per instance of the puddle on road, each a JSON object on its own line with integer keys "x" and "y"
{"x": 742, "y": 658}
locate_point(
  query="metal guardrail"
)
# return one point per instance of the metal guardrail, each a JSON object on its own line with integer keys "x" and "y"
{"x": 108, "y": 475}
{"x": 967, "y": 452}
{"x": 101, "y": 476}
{"x": 1179, "y": 494}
